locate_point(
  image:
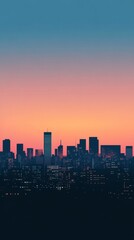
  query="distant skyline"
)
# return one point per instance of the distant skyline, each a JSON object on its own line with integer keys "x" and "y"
{"x": 91, "y": 144}
{"x": 67, "y": 66}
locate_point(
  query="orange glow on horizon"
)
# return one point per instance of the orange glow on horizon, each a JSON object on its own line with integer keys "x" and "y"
{"x": 72, "y": 103}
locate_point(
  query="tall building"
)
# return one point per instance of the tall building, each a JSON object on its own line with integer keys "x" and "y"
{"x": 71, "y": 152}
{"x": 29, "y": 153}
{"x": 60, "y": 151}
{"x": 110, "y": 150}
{"x": 129, "y": 152}
{"x": 39, "y": 158}
{"x": 56, "y": 152}
{"x": 47, "y": 146}
{"x": 38, "y": 152}
{"x": 94, "y": 146}
{"x": 82, "y": 144}
{"x": 6, "y": 146}
{"x": 81, "y": 149}
{"x": 20, "y": 151}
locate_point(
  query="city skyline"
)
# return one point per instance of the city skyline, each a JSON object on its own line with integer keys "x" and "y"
{"x": 67, "y": 119}
{"x": 67, "y": 66}
{"x": 105, "y": 113}
{"x": 92, "y": 144}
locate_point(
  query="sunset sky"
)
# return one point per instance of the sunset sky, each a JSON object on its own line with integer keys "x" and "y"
{"x": 67, "y": 66}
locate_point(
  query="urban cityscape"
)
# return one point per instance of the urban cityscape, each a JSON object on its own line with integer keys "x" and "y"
{"x": 101, "y": 170}
{"x": 67, "y": 119}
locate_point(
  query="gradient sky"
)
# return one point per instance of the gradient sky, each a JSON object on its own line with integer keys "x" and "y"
{"x": 67, "y": 66}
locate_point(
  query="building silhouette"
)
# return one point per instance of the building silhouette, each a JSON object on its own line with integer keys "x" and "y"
{"x": 6, "y": 146}
{"x": 71, "y": 152}
{"x": 129, "y": 152}
{"x": 47, "y": 147}
{"x": 56, "y": 152}
{"x": 29, "y": 153}
{"x": 110, "y": 150}
{"x": 94, "y": 146}
{"x": 38, "y": 152}
{"x": 60, "y": 151}
{"x": 79, "y": 171}
{"x": 20, "y": 151}
{"x": 82, "y": 144}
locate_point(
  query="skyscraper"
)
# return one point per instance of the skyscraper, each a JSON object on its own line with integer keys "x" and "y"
{"x": 71, "y": 152}
{"x": 6, "y": 146}
{"x": 129, "y": 152}
{"x": 110, "y": 150}
{"x": 81, "y": 149}
{"x": 29, "y": 153}
{"x": 94, "y": 145}
{"x": 20, "y": 153}
{"x": 83, "y": 144}
{"x": 60, "y": 151}
{"x": 47, "y": 146}
{"x": 38, "y": 152}
{"x": 20, "y": 149}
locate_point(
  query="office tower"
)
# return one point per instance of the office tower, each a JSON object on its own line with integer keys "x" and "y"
{"x": 38, "y": 152}
{"x": 29, "y": 153}
{"x": 19, "y": 149}
{"x": 20, "y": 154}
{"x": 129, "y": 152}
{"x": 56, "y": 152}
{"x": 60, "y": 151}
{"x": 81, "y": 149}
{"x": 6, "y": 146}
{"x": 82, "y": 144}
{"x": 39, "y": 156}
{"x": 94, "y": 146}
{"x": 71, "y": 152}
{"x": 47, "y": 146}
{"x": 110, "y": 150}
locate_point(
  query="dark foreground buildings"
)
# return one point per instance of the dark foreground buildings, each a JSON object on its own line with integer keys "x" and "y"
{"x": 108, "y": 173}
{"x": 85, "y": 194}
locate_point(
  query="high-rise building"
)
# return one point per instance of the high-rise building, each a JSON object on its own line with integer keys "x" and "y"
{"x": 129, "y": 152}
{"x": 82, "y": 144}
{"x": 47, "y": 146}
{"x": 39, "y": 158}
{"x": 29, "y": 153}
{"x": 56, "y": 152}
{"x": 94, "y": 146}
{"x": 38, "y": 152}
{"x": 6, "y": 146}
{"x": 71, "y": 152}
{"x": 81, "y": 149}
{"x": 110, "y": 150}
{"x": 60, "y": 151}
{"x": 20, "y": 151}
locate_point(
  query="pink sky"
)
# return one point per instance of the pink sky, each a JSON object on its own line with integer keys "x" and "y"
{"x": 73, "y": 99}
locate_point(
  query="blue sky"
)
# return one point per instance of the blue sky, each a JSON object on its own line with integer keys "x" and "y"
{"x": 46, "y": 23}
